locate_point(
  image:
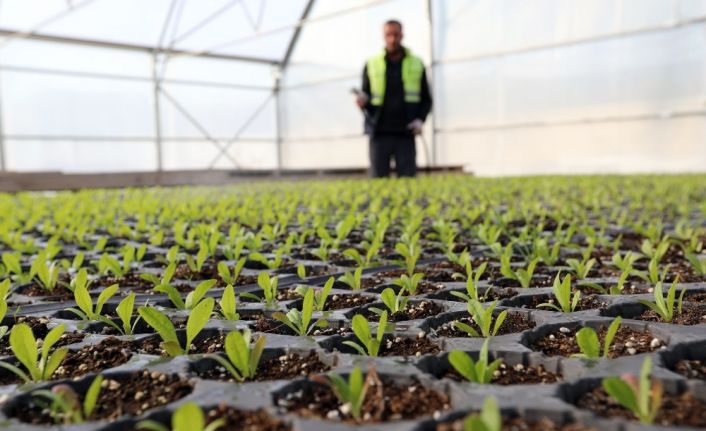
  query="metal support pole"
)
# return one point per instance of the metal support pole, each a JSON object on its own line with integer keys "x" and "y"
{"x": 157, "y": 113}
{"x": 277, "y": 93}
{"x": 431, "y": 82}
{"x": 3, "y": 165}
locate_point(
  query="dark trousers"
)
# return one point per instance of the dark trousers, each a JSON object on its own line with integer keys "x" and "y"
{"x": 385, "y": 147}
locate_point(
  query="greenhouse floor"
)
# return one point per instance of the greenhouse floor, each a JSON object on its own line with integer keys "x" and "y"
{"x": 442, "y": 303}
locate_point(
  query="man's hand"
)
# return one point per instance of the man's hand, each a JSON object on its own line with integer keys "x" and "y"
{"x": 416, "y": 126}
{"x": 361, "y": 99}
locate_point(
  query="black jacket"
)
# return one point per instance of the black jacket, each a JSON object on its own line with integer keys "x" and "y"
{"x": 394, "y": 115}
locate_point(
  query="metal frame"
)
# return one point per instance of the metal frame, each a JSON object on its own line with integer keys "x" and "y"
{"x": 164, "y": 51}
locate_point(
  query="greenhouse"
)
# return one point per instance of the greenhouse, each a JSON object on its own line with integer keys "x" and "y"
{"x": 394, "y": 215}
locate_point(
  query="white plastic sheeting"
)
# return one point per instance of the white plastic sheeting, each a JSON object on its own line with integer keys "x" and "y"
{"x": 540, "y": 86}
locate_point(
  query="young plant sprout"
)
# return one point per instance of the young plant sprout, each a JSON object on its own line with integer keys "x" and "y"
{"x": 581, "y": 268}
{"x": 488, "y": 419}
{"x": 242, "y": 354}
{"x": 625, "y": 262}
{"x": 483, "y": 317}
{"x": 320, "y": 295}
{"x": 228, "y": 304}
{"x": 562, "y": 294}
{"x": 198, "y": 318}
{"x": 637, "y": 394}
{"x": 47, "y": 273}
{"x": 472, "y": 280}
{"x": 64, "y": 405}
{"x": 480, "y": 371}
{"x": 395, "y": 302}
{"x": 124, "y": 310}
{"x": 40, "y": 365}
{"x": 698, "y": 263}
{"x": 408, "y": 283}
{"x": 522, "y": 275}
{"x": 353, "y": 279}
{"x": 301, "y": 321}
{"x": 269, "y": 290}
{"x": 225, "y": 273}
{"x": 588, "y": 343}
{"x": 410, "y": 251}
{"x": 351, "y": 392}
{"x": 86, "y": 310}
{"x": 664, "y": 307}
{"x": 369, "y": 345}
{"x": 188, "y": 417}
{"x": 13, "y": 266}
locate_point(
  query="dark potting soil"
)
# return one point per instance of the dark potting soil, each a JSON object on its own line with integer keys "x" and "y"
{"x": 691, "y": 315}
{"x": 59, "y": 293}
{"x": 587, "y": 302}
{"x": 130, "y": 394}
{"x": 404, "y": 346}
{"x": 340, "y": 302}
{"x": 691, "y": 369}
{"x": 40, "y": 330}
{"x": 521, "y": 424}
{"x": 272, "y": 326}
{"x": 514, "y": 323}
{"x": 244, "y": 420}
{"x": 287, "y": 294}
{"x": 286, "y": 366}
{"x": 130, "y": 279}
{"x": 562, "y": 342}
{"x": 514, "y": 375}
{"x": 414, "y": 310}
{"x": 386, "y": 400}
{"x": 109, "y": 353}
{"x": 676, "y": 410}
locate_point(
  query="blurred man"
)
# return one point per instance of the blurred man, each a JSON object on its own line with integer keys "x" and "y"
{"x": 396, "y": 100}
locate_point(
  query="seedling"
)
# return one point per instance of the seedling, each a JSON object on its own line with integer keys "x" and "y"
{"x": 269, "y": 290}
{"x": 408, "y": 283}
{"x": 65, "y": 407}
{"x": 480, "y": 371}
{"x": 548, "y": 255}
{"x": 47, "y": 273}
{"x": 642, "y": 397}
{"x": 652, "y": 275}
{"x": 483, "y": 317}
{"x": 625, "y": 262}
{"x": 370, "y": 346}
{"x": 588, "y": 343}
{"x": 225, "y": 273}
{"x": 39, "y": 366}
{"x": 488, "y": 419}
{"x": 472, "y": 280}
{"x": 3, "y": 312}
{"x": 195, "y": 265}
{"x": 124, "y": 311}
{"x": 274, "y": 263}
{"x": 698, "y": 263}
{"x": 198, "y": 318}
{"x": 13, "y": 266}
{"x": 653, "y": 251}
{"x": 353, "y": 279}
{"x": 351, "y": 392}
{"x": 664, "y": 307}
{"x": 242, "y": 354}
{"x": 188, "y": 417}
{"x": 86, "y": 310}
{"x": 410, "y": 251}
{"x": 228, "y": 304}
{"x": 395, "y": 302}
{"x": 581, "y": 267}
{"x": 300, "y": 321}
{"x": 522, "y": 275}
{"x": 562, "y": 295}
{"x": 320, "y": 295}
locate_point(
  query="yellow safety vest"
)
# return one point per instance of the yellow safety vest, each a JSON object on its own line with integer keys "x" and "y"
{"x": 412, "y": 71}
